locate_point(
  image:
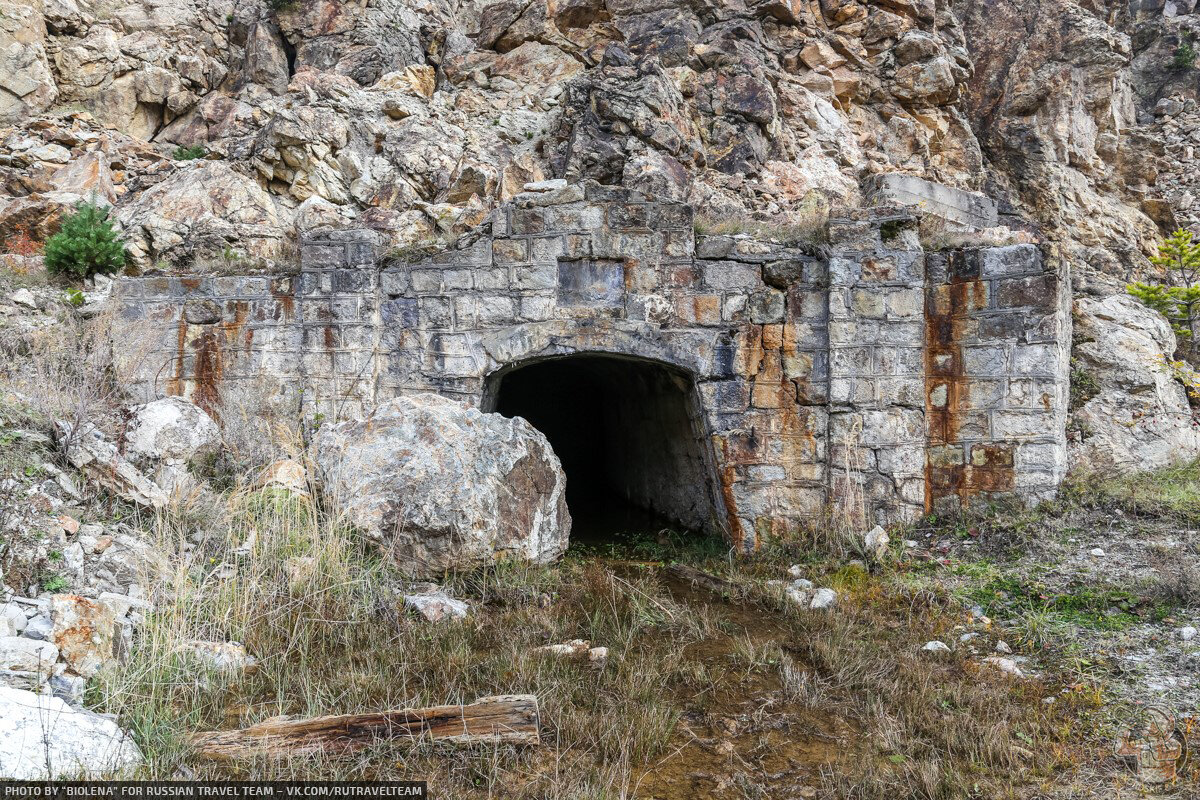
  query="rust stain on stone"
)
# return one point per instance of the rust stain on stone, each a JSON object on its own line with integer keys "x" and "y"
{"x": 209, "y": 372}
{"x": 728, "y": 476}
{"x": 175, "y": 384}
{"x": 281, "y": 291}
{"x": 948, "y": 309}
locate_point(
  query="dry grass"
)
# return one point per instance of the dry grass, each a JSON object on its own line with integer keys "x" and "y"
{"x": 337, "y": 641}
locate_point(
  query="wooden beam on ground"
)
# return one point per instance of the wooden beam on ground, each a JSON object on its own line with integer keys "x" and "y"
{"x": 506, "y": 719}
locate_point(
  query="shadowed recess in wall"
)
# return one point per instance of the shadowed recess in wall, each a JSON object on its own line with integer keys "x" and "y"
{"x": 629, "y": 435}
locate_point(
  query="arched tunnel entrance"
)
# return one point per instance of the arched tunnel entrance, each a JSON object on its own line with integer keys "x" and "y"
{"x": 630, "y": 437}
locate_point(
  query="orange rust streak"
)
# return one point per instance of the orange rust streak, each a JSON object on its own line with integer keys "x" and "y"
{"x": 175, "y": 383}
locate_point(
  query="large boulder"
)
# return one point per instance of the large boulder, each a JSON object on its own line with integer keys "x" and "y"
{"x": 1138, "y": 417}
{"x": 43, "y": 738}
{"x": 441, "y": 485}
{"x": 164, "y": 436}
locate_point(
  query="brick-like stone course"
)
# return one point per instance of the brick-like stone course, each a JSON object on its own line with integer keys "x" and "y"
{"x": 875, "y": 381}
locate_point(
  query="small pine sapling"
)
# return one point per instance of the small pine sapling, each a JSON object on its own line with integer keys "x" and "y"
{"x": 1177, "y": 296}
{"x": 86, "y": 244}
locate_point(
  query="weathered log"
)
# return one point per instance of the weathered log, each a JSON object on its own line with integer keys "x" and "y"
{"x": 507, "y": 719}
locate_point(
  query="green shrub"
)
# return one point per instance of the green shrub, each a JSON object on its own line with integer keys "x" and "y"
{"x": 189, "y": 153}
{"x": 74, "y": 297}
{"x": 86, "y": 244}
{"x": 1177, "y": 297}
{"x": 54, "y": 583}
{"x": 282, "y": 5}
{"x": 1185, "y": 56}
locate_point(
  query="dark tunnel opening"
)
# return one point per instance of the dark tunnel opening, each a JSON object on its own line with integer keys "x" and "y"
{"x": 630, "y": 438}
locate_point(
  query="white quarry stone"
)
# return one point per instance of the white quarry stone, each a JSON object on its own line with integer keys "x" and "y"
{"x": 21, "y": 654}
{"x": 823, "y": 599}
{"x": 798, "y": 596}
{"x": 936, "y": 647}
{"x": 546, "y": 186}
{"x": 163, "y": 436}
{"x": 221, "y": 656}
{"x": 38, "y": 627}
{"x": 43, "y": 738}
{"x": 436, "y": 606}
{"x": 24, "y": 297}
{"x": 90, "y": 452}
{"x": 1006, "y": 665}
{"x": 1187, "y": 633}
{"x": 969, "y": 209}
{"x": 877, "y": 541}
{"x": 83, "y": 631}
{"x": 440, "y": 485}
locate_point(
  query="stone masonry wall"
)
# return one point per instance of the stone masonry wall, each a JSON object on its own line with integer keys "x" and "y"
{"x": 875, "y": 381}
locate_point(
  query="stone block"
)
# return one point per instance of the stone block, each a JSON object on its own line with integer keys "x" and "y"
{"x": 892, "y": 427}
{"x": 351, "y": 281}
{"x": 1019, "y": 424}
{"x": 628, "y": 216}
{"x": 546, "y": 249}
{"x": 704, "y": 309}
{"x": 457, "y": 279}
{"x": 731, "y": 275}
{"x": 901, "y": 460}
{"x": 401, "y": 311}
{"x": 393, "y": 282}
{"x": 510, "y": 251}
{"x": 526, "y": 221}
{"x": 540, "y": 276}
{"x": 536, "y": 308}
{"x": 1037, "y": 359}
{"x": 848, "y": 361}
{"x": 671, "y": 216}
{"x": 599, "y": 283}
{"x": 426, "y": 281}
{"x": 1018, "y": 259}
{"x": 434, "y": 311}
{"x": 202, "y": 312}
{"x": 495, "y": 310}
{"x": 491, "y": 278}
{"x": 968, "y": 209}
{"x": 868, "y": 303}
{"x": 985, "y": 361}
{"x": 901, "y": 333}
{"x": 1039, "y": 292}
{"x": 991, "y": 455}
{"x": 905, "y": 303}
{"x": 766, "y": 306}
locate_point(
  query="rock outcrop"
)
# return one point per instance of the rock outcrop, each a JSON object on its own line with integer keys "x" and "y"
{"x": 1138, "y": 416}
{"x": 43, "y": 738}
{"x": 439, "y": 485}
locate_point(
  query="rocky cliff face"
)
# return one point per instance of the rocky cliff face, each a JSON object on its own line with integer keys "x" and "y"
{"x": 413, "y": 117}
{"x": 416, "y": 117}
